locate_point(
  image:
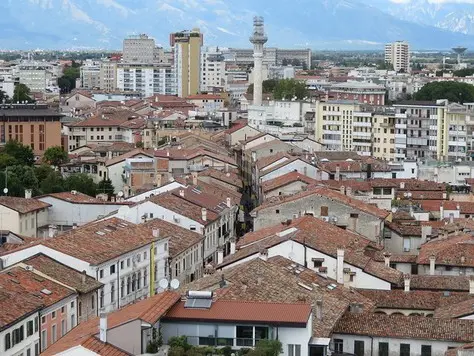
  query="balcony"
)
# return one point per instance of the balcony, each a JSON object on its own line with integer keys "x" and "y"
{"x": 400, "y": 126}
{"x": 211, "y": 340}
{"x": 361, "y": 124}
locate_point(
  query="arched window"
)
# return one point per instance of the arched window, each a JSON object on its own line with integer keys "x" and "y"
{"x": 129, "y": 285}
{"x": 139, "y": 278}
{"x": 134, "y": 281}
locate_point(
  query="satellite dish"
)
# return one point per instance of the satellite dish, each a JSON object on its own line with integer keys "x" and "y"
{"x": 174, "y": 284}
{"x": 163, "y": 283}
{"x": 394, "y": 210}
{"x": 120, "y": 194}
{"x": 5, "y": 190}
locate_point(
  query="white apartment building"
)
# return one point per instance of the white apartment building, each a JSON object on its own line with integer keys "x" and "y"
{"x": 213, "y": 70}
{"x": 148, "y": 79}
{"x": 37, "y": 76}
{"x": 398, "y": 54}
{"x": 127, "y": 259}
{"x": 139, "y": 49}
{"x": 90, "y": 74}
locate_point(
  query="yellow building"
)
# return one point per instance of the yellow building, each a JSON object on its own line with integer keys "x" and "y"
{"x": 452, "y": 131}
{"x": 187, "y": 60}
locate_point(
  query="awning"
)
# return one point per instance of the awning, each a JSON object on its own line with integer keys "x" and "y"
{"x": 322, "y": 341}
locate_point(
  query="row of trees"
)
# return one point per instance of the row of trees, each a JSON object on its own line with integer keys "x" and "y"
{"x": 283, "y": 89}
{"x": 453, "y": 91}
{"x": 18, "y": 173}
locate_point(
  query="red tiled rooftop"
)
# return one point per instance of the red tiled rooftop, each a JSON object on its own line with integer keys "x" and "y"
{"x": 245, "y": 312}
{"x": 286, "y": 179}
{"x": 455, "y": 250}
{"x": 77, "y": 197}
{"x": 22, "y": 205}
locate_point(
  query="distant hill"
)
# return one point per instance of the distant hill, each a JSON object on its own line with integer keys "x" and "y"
{"x": 319, "y": 24}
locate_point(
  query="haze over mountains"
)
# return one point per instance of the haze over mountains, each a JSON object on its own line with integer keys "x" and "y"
{"x": 318, "y": 24}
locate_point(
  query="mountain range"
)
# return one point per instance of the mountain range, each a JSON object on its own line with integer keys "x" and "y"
{"x": 317, "y": 24}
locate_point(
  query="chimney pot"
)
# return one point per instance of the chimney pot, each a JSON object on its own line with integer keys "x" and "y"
{"x": 28, "y": 193}
{"x": 432, "y": 265}
{"x": 204, "y": 214}
{"x": 407, "y": 280}
{"x": 232, "y": 246}
{"x": 386, "y": 257}
{"x": 220, "y": 256}
{"x": 319, "y": 309}
{"x": 83, "y": 277}
{"x": 228, "y": 202}
{"x": 181, "y": 192}
{"x": 156, "y": 233}
{"x": 195, "y": 178}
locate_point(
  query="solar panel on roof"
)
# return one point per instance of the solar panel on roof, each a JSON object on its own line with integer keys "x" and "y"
{"x": 198, "y": 303}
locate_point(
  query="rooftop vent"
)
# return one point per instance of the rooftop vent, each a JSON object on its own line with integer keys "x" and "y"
{"x": 46, "y": 291}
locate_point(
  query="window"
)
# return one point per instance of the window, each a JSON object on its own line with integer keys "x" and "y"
{"x": 354, "y": 215}
{"x": 112, "y": 292}
{"x": 383, "y": 348}
{"x": 261, "y": 332}
{"x": 406, "y": 244}
{"x": 338, "y": 345}
{"x": 129, "y": 285}
{"x": 277, "y": 211}
{"x": 29, "y": 328}
{"x": 294, "y": 350}
{"x": 139, "y": 278}
{"x": 43, "y": 319}
{"x": 53, "y": 315}
{"x": 145, "y": 255}
{"x": 317, "y": 263}
{"x": 8, "y": 343}
{"x": 244, "y": 335}
{"x": 377, "y": 191}
{"x": 73, "y": 321}
{"x": 359, "y": 348}
{"x": 53, "y": 334}
{"x": 404, "y": 349}
{"x": 425, "y": 350}
{"x": 63, "y": 327}
{"x": 44, "y": 340}
{"x": 102, "y": 298}
{"x": 36, "y": 349}
{"x": 324, "y": 211}
{"x": 101, "y": 273}
{"x": 145, "y": 277}
{"x": 79, "y": 308}
{"x": 36, "y": 324}
{"x": 128, "y": 262}
{"x": 92, "y": 301}
{"x": 112, "y": 269}
{"x": 28, "y": 352}
{"x": 122, "y": 264}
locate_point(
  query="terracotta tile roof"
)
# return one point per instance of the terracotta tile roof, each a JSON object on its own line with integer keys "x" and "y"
{"x": 320, "y": 236}
{"x": 149, "y": 310}
{"x": 330, "y": 194}
{"x": 183, "y": 207}
{"x": 345, "y": 166}
{"x": 452, "y": 251}
{"x": 130, "y": 154}
{"x": 101, "y": 241}
{"x": 204, "y": 97}
{"x": 456, "y": 310}
{"x": 203, "y": 152}
{"x": 404, "y": 229}
{"x": 245, "y": 312}
{"x": 94, "y": 344}
{"x": 266, "y": 161}
{"x": 338, "y": 155}
{"x": 414, "y": 299}
{"x": 22, "y": 205}
{"x": 397, "y": 258}
{"x": 21, "y": 294}
{"x": 355, "y": 185}
{"x": 468, "y": 350}
{"x": 402, "y": 327}
{"x": 420, "y": 185}
{"x": 78, "y": 198}
{"x": 218, "y": 191}
{"x": 180, "y": 238}
{"x": 226, "y": 177}
{"x": 63, "y": 273}
{"x": 433, "y": 205}
{"x": 286, "y": 179}
{"x": 440, "y": 283}
{"x": 276, "y": 280}
{"x": 401, "y": 215}
{"x": 422, "y": 195}
{"x": 236, "y": 126}
{"x": 107, "y": 117}
{"x": 134, "y": 124}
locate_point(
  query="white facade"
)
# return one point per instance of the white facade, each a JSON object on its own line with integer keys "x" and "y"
{"x": 37, "y": 76}
{"x": 90, "y": 74}
{"x": 138, "y": 49}
{"x": 213, "y": 74}
{"x": 116, "y": 172}
{"x": 146, "y": 79}
{"x": 163, "y": 189}
{"x": 398, "y": 54}
{"x": 25, "y": 224}
{"x": 28, "y": 345}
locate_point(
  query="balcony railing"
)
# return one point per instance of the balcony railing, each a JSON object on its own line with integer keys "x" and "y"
{"x": 221, "y": 341}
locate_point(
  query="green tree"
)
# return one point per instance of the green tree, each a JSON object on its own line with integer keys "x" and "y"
{"x": 6, "y": 160}
{"x": 21, "y": 93}
{"x": 466, "y": 72}
{"x": 82, "y": 183}
{"x": 26, "y": 176}
{"x": 10, "y": 180}
{"x": 68, "y": 80}
{"x": 3, "y": 97}
{"x": 451, "y": 90}
{"x": 43, "y": 171}
{"x": 290, "y": 88}
{"x": 55, "y": 156}
{"x": 267, "y": 86}
{"x": 22, "y": 153}
{"x": 52, "y": 183}
{"x": 266, "y": 348}
{"x": 105, "y": 186}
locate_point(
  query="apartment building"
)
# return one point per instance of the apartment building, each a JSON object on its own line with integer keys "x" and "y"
{"x": 108, "y": 75}
{"x": 90, "y": 74}
{"x": 38, "y": 76}
{"x": 187, "y": 61}
{"x": 213, "y": 70}
{"x": 362, "y": 92}
{"x": 148, "y": 79}
{"x": 398, "y": 55}
{"x": 32, "y": 125}
{"x": 138, "y": 49}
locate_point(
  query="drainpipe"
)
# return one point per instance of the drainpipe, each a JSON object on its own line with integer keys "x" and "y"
{"x": 118, "y": 284}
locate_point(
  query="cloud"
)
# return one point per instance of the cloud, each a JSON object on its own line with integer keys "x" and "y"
{"x": 222, "y": 29}
{"x": 436, "y": 1}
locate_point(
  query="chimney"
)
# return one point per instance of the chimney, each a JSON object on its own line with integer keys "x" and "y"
{"x": 471, "y": 284}
{"x": 386, "y": 257}
{"x": 204, "y": 214}
{"x": 220, "y": 255}
{"x": 74, "y": 226}
{"x": 167, "y": 153}
{"x": 451, "y": 218}
{"x": 348, "y": 191}
{"x": 232, "y": 246}
{"x": 28, "y": 193}
{"x": 228, "y": 202}
{"x": 83, "y": 277}
{"x": 103, "y": 327}
{"x": 407, "y": 280}
{"x": 181, "y": 192}
{"x": 441, "y": 212}
{"x": 226, "y": 168}
{"x": 342, "y": 189}
{"x": 402, "y": 185}
{"x": 156, "y": 233}
{"x": 264, "y": 254}
{"x": 445, "y": 196}
{"x": 158, "y": 180}
{"x": 340, "y": 266}
{"x": 337, "y": 176}
{"x": 319, "y": 309}
{"x": 195, "y": 178}
{"x": 52, "y": 230}
{"x": 432, "y": 265}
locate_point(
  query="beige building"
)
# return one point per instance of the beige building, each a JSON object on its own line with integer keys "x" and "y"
{"x": 187, "y": 61}
{"x": 23, "y": 216}
{"x": 139, "y": 49}
{"x": 108, "y": 75}
{"x": 398, "y": 54}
